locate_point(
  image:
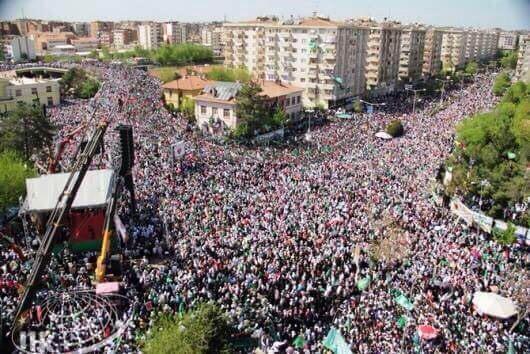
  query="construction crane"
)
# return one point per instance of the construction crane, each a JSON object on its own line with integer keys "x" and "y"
{"x": 62, "y": 208}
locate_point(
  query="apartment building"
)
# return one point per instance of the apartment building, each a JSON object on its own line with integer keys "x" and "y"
{"x": 100, "y": 26}
{"x": 432, "y": 61}
{"x": 85, "y": 44}
{"x": 47, "y": 40}
{"x": 21, "y": 47}
{"x": 383, "y": 53}
{"x": 453, "y": 48}
{"x": 522, "y": 71}
{"x": 507, "y": 40}
{"x": 150, "y": 35}
{"x": 123, "y": 37}
{"x": 174, "y": 33}
{"x": 321, "y": 56}
{"x": 212, "y": 37}
{"x": 81, "y": 29}
{"x": 411, "y": 53}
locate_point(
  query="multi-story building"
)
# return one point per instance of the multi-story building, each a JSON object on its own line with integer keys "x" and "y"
{"x": 212, "y": 37}
{"x": 123, "y": 37}
{"x": 432, "y": 62}
{"x": 46, "y": 40}
{"x": 522, "y": 71}
{"x": 105, "y": 38}
{"x": 412, "y": 52}
{"x": 453, "y": 48}
{"x": 216, "y": 106}
{"x": 85, "y": 44}
{"x": 22, "y": 48}
{"x": 507, "y": 40}
{"x": 100, "y": 26}
{"x": 319, "y": 55}
{"x": 174, "y": 33}
{"x": 150, "y": 35}
{"x": 15, "y": 90}
{"x": 81, "y": 29}
{"x": 382, "y": 55}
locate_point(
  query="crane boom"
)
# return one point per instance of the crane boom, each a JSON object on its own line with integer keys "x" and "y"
{"x": 63, "y": 206}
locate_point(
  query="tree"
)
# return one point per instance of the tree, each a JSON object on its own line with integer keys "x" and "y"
{"x": 471, "y": 68}
{"x": 509, "y": 60}
{"x": 187, "y": 107}
{"x": 505, "y": 237}
{"x": 77, "y": 81}
{"x": 278, "y": 118}
{"x": 501, "y": 84}
{"x": 250, "y": 106}
{"x": 13, "y": 174}
{"x": 220, "y": 73}
{"x": 395, "y": 128}
{"x": 25, "y": 130}
{"x": 204, "y": 330}
{"x": 88, "y": 88}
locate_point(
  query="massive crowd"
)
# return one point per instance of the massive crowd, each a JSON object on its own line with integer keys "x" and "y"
{"x": 280, "y": 237}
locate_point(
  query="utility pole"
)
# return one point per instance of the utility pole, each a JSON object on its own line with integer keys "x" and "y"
{"x": 443, "y": 88}
{"x": 414, "y": 101}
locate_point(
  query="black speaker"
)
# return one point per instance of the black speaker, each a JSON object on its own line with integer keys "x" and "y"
{"x": 116, "y": 264}
{"x": 127, "y": 148}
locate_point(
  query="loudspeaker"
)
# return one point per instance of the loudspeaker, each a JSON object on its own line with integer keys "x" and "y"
{"x": 127, "y": 148}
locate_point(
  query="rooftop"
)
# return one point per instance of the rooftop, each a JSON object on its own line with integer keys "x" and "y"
{"x": 187, "y": 83}
{"x": 18, "y": 81}
{"x": 225, "y": 92}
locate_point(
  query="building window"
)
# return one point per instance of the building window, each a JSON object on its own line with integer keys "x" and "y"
{"x": 18, "y": 93}
{"x": 33, "y": 90}
{"x": 203, "y": 109}
{"x": 214, "y": 111}
{"x": 48, "y": 89}
{"x": 298, "y": 99}
{"x": 226, "y": 113}
{"x": 50, "y": 101}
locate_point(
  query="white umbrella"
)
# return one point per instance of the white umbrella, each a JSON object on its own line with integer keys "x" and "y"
{"x": 383, "y": 135}
{"x": 494, "y": 305}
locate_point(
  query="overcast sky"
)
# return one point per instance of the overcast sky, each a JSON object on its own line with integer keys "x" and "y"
{"x": 508, "y": 14}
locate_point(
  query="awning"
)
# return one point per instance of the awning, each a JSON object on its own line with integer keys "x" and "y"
{"x": 494, "y": 305}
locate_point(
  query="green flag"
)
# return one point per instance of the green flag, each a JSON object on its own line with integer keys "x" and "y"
{"x": 404, "y": 302}
{"x": 182, "y": 309}
{"x": 402, "y": 321}
{"x": 299, "y": 341}
{"x": 363, "y": 283}
{"x": 335, "y": 342}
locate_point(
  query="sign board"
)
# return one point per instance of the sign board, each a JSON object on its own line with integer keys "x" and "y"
{"x": 179, "y": 149}
{"x": 408, "y": 87}
{"x": 370, "y": 109}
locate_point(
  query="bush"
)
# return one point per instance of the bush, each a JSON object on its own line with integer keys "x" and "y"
{"x": 505, "y": 237}
{"x": 220, "y": 73}
{"x": 509, "y": 61}
{"x": 88, "y": 89}
{"x": 471, "y": 68}
{"x": 395, "y": 128}
{"x": 204, "y": 330}
{"x": 13, "y": 174}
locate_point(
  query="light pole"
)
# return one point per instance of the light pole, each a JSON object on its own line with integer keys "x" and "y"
{"x": 443, "y": 88}
{"x": 373, "y": 104}
{"x": 414, "y": 101}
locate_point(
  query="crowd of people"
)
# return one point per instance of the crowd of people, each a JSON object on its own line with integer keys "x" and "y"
{"x": 281, "y": 237}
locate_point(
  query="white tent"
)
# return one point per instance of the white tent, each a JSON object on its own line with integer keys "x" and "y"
{"x": 383, "y": 135}
{"x": 494, "y": 305}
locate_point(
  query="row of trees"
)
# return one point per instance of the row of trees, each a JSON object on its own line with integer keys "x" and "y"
{"x": 492, "y": 153}
{"x": 179, "y": 54}
{"x": 220, "y": 73}
{"x": 77, "y": 82}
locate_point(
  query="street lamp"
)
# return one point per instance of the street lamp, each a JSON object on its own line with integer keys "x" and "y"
{"x": 447, "y": 79}
{"x": 414, "y": 101}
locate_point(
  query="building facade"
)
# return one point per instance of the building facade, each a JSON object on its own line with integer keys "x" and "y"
{"x": 411, "y": 53}
{"x": 123, "y": 37}
{"x": 508, "y": 40}
{"x": 150, "y": 35}
{"x": 100, "y": 26}
{"x": 174, "y": 33}
{"x": 18, "y": 90}
{"x": 453, "y": 48}
{"x": 22, "y": 48}
{"x": 432, "y": 61}
{"x": 321, "y": 56}
{"x": 522, "y": 71}
{"x": 213, "y": 38}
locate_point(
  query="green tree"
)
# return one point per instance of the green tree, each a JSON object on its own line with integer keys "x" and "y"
{"x": 88, "y": 88}
{"x": 187, "y": 107}
{"x": 220, "y": 73}
{"x": 509, "y": 61}
{"x": 395, "y": 128}
{"x": 204, "y": 330}
{"x": 13, "y": 174}
{"x": 279, "y": 118}
{"x": 505, "y": 237}
{"x": 77, "y": 81}
{"x": 2, "y": 56}
{"x": 471, "y": 68}
{"x": 501, "y": 84}
{"x": 250, "y": 106}
{"x": 25, "y": 130}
